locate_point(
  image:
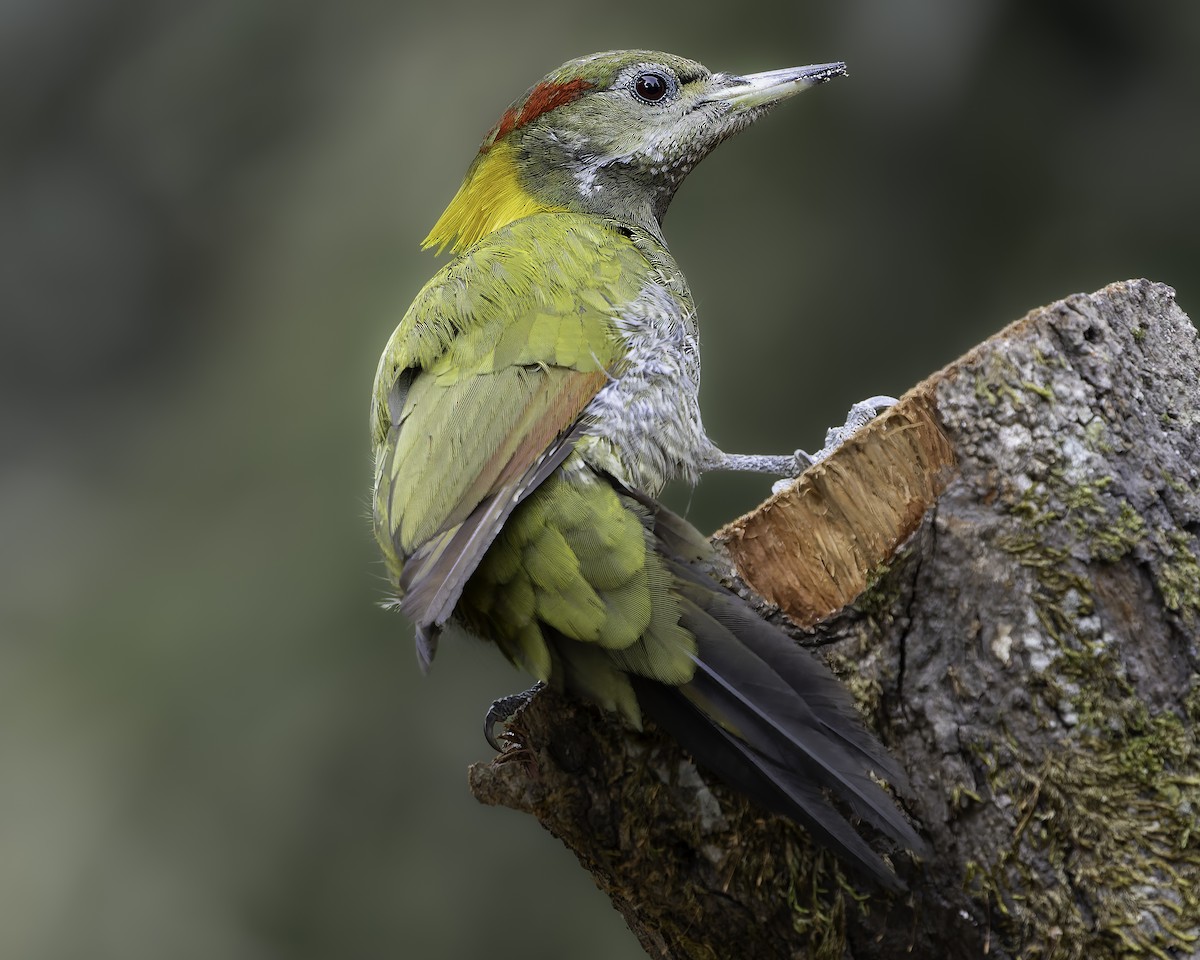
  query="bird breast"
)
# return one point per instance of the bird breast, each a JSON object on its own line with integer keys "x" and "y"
{"x": 646, "y": 421}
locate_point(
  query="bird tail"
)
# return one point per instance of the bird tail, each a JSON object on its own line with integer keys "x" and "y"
{"x": 769, "y": 719}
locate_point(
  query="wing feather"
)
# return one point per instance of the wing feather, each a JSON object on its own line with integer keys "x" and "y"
{"x": 479, "y": 392}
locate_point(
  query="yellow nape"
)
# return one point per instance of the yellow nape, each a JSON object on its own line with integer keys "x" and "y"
{"x": 489, "y": 198}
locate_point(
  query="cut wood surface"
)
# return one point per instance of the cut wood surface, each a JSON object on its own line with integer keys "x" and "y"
{"x": 1004, "y": 569}
{"x": 850, "y": 511}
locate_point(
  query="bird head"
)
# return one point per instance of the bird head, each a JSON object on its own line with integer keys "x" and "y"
{"x": 611, "y": 134}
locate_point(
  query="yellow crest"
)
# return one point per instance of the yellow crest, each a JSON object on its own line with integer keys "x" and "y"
{"x": 489, "y": 198}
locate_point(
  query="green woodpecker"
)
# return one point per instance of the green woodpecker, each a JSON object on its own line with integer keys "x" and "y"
{"x": 538, "y": 394}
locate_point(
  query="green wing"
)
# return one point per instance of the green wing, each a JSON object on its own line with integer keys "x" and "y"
{"x": 574, "y": 590}
{"x": 479, "y": 388}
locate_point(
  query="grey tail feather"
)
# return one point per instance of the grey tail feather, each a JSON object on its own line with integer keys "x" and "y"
{"x": 814, "y": 731}
{"x": 427, "y": 642}
{"x": 767, "y": 717}
{"x": 769, "y": 785}
{"x": 827, "y": 699}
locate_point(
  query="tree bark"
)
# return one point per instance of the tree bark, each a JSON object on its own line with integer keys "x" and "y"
{"x": 1003, "y": 568}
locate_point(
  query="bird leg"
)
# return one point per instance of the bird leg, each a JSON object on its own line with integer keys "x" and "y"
{"x": 502, "y": 710}
{"x": 782, "y": 465}
{"x": 790, "y": 466}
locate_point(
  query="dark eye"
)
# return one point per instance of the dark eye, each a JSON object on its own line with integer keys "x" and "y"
{"x": 650, "y": 87}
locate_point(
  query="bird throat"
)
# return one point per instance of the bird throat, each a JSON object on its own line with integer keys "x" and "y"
{"x": 490, "y": 197}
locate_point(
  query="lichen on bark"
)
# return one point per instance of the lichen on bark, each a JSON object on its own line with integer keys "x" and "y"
{"x": 1089, "y": 766}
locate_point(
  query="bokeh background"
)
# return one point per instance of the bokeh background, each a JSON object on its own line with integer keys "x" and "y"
{"x": 213, "y": 742}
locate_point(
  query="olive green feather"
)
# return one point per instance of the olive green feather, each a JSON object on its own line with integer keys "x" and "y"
{"x": 505, "y": 348}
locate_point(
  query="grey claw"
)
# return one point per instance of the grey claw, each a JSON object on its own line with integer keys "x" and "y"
{"x": 859, "y": 416}
{"x": 864, "y": 412}
{"x": 501, "y": 711}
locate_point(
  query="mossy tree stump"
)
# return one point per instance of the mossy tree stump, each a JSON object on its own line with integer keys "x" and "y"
{"x": 1003, "y": 567}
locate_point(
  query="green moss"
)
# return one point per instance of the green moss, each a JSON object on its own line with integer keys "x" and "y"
{"x": 819, "y": 896}
{"x": 1096, "y": 434}
{"x": 962, "y": 797}
{"x": 866, "y": 690}
{"x": 1179, "y": 579}
{"x": 1000, "y": 379}
{"x": 984, "y": 391}
{"x": 883, "y": 592}
{"x": 1110, "y": 527}
{"x": 1174, "y": 483}
{"x": 771, "y": 853}
{"x": 1111, "y": 811}
{"x": 1042, "y": 391}
{"x": 1111, "y": 541}
{"x": 1104, "y": 852}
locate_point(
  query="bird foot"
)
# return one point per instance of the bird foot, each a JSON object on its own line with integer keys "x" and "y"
{"x": 859, "y": 416}
{"x": 502, "y": 710}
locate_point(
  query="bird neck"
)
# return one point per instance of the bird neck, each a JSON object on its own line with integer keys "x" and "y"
{"x": 491, "y": 196}
{"x": 506, "y": 183}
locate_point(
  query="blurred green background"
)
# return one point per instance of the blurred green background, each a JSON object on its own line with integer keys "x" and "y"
{"x": 213, "y": 743}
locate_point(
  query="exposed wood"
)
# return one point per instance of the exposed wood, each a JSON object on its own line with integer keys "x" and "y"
{"x": 1005, "y": 571}
{"x": 851, "y": 510}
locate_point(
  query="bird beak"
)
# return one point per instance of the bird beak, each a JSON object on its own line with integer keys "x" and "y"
{"x": 765, "y": 89}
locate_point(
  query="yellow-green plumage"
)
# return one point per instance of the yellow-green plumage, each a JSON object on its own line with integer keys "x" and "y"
{"x": 574, "y": 573}
{"x": 543, "y": 387}
{"x": 508, "y": 343}
{"x": 508, "y": 351}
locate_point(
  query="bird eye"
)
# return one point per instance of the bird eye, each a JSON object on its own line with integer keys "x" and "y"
{"x": 650, "y": 87}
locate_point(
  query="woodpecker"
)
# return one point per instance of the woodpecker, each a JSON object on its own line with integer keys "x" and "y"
{"x": 538, "y": 395}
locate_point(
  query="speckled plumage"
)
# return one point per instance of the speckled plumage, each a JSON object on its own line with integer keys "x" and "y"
{"x": 543, "y": 387}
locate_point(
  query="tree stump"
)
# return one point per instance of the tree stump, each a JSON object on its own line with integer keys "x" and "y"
{"x": 1004, "y": 570}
